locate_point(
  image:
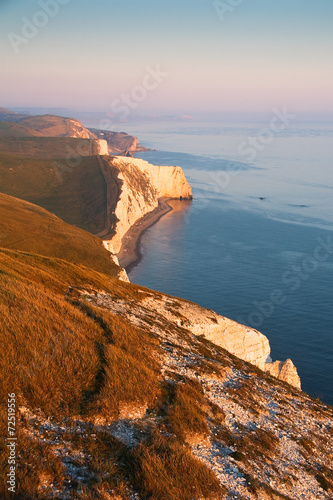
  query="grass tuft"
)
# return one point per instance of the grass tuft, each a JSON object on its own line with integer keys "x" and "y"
{"x": 166, "y": 470}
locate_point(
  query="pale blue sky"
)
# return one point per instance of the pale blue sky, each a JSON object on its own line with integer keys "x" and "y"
{"x": 263, "y": 54}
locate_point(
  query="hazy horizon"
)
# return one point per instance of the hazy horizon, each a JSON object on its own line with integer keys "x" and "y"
{"x": 199, "y": 57}
{"x": 100, "y": 117}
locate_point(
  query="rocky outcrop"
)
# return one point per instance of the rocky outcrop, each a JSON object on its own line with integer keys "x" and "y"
{"x": 142, "y": 184}
{"x": 119, "y": 142}
{"x": 160, "y": 314}
{"x": 242, "y": 341}
{"x": 285, "y": 371}
{"x": 100, "y": 147}
{"x": 122, "y": 274}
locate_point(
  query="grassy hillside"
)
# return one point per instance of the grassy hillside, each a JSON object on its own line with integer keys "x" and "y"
{"x": 12, "y": 130}
{"x": 61, "y": 174}
{"x": 27, "y": 227}
{"x": 57, "y": 126}
{"x": 45, "y": 147}
{"x": 116, "y": 396}
{"x": 74, "y": 192}
{"x": 11, "y": 116}
{"x": 110, "y": 408}
{"x": 72, "y": 360}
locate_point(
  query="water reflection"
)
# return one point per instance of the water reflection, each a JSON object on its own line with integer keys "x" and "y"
{"x": 164, "y": 245}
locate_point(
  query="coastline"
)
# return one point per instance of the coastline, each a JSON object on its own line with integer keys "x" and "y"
{"x": 130, "y": 253}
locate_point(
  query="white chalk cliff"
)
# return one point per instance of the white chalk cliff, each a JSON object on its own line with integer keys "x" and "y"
{"x": 140, "y": 187}
{"x": 241, "y": 341}
{"x": 142, "y": 184}
{"x": 101, "y": 147}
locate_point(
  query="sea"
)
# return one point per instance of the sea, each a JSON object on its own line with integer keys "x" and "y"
{"x": 256, "y": 242}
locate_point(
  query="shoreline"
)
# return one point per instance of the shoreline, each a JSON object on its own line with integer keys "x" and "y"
{"x": 130, "y": 254}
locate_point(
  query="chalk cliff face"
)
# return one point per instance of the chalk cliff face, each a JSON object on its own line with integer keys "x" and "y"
{"x": 142, "y": 184}
{"x": 119, "y": 142}
{"x": 171, "y": 313}
{"x": 244, "y": 342}
{"x": 284, "y": 371}
{"x": 100, "y": 147}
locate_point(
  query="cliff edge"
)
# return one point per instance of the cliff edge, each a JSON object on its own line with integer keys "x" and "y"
{"x": 174, "y": 313}
{"x": 119, "y": 142}
{"x": 140, "y": 187}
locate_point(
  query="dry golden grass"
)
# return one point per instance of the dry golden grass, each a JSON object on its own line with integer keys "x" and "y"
{"x": 259, "y": 444}
{"x": 36, "y": 462}
{"x": 63, "y": 357}
{"x": 166, "y": 470}
{"x": 67, "y": 359}
{"x": 51, "y": 359}
{"x": 183, "y": 406}
{"x": 27, "y": 227}
{"x": 131, "y": 373}
{"x": 103, "y": 454}
{"x": 57, "y": 275}
{"x": 75, "y": 192}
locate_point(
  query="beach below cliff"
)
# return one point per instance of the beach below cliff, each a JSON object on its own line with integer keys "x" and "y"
{"x": 130, "y": 252}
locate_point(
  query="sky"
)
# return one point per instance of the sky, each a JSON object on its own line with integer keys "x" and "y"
{"x": 180, "y": 57}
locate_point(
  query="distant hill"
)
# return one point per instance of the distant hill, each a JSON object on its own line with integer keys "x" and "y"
{"x": 14, "y": 130}
{"x": 57, "y": 126}
{"x": 119, "y": 142}
{"x": 61, "y": 174}
{"x": 29, "y": 228}
{"x": 10, "y": 116}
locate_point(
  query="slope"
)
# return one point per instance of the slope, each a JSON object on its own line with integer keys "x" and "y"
{"x": 73, "y": 190}
{"x": 113, "y": 406}
{"x": 11, "y": 116}
{"x": 8, "y": 129}
{"x": 57, "y": 126}
{"x": 29, "y": 228}
{"x": 68, "y": 148}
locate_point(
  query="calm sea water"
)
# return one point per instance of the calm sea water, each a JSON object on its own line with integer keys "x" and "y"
{"x": 256, "y": 243}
